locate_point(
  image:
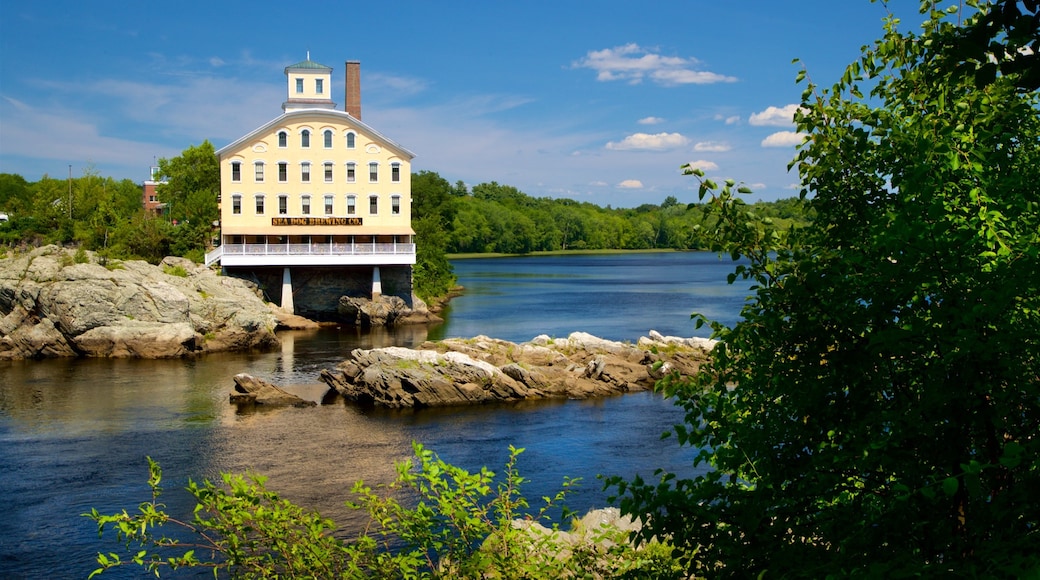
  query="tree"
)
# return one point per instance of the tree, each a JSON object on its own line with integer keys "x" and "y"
{"x": 190, "y": 184}
{"x": 876, "y": 410}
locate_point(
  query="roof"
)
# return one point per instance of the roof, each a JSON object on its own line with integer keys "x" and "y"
{"x": 308, "y": 65}
{"x": 334, "y": 115}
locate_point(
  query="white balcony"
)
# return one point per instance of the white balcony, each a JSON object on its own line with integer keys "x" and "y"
{"x": 314, "y": 254}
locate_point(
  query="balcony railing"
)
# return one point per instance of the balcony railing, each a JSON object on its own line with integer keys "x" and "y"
{"x": 318, "y": 249}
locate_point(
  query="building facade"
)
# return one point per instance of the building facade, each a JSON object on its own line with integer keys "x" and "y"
{"x": 318, "y": 196}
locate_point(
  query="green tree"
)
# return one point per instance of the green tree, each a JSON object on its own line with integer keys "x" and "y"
{"x": 190, "y": 184}
{"x": 876, "y": 410}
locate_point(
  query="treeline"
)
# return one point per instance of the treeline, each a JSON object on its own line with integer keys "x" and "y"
{"x": 107, "y": 216}
{"x": 491, "y": 217}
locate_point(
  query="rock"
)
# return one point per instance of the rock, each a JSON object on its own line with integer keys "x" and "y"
{"x": 251, "y": 390}
{"x": 286, "y": 320}
{"x": 51, "y": 306}
{"x": 384, "y": 311}
{"x": 483, "y": 369}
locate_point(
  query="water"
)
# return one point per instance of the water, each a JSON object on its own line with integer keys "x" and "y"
{"x": 74, "y": 433}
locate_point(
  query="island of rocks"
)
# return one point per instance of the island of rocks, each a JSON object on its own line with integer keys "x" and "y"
{"x": 58, "y": 303}
{"x": 483, "y": 370}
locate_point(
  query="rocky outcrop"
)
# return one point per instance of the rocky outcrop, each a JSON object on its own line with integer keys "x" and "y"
{"x": 384, "y": 311}
{"x": 250, "y": 390}
{"x": 483, "y": 369}
{"x": 52, "y": 306}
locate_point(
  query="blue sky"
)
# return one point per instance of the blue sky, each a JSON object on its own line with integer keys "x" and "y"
{"x": 594, "y": 101}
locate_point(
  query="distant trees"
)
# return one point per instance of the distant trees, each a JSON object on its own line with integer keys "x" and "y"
{"x": 495, "y": 218}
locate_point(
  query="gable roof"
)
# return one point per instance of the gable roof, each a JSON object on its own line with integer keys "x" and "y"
{"x": 330, "y": 114}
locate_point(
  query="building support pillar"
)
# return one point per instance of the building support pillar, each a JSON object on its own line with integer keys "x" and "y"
{"x": 287, "y": 298}
{"x": 377, "y": 286}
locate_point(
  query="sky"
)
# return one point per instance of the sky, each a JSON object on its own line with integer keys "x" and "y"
{"x": 600, "y": 102}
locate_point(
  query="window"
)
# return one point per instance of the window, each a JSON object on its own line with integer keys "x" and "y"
{"x": 373, "y": 172}
{"x": 236, "y": 204}
{"x": 373, "y": 204}
{"x": 305, "y": 205}
{"x": 328, "y": 204}
{"x": 350, "y": 140}
{"x": 350, "y": 172}
{"x": 258, "y": 171}
{"x": 283, "y": 204}
{"x": 283, "y": 171}
{"x": 351, "y": 205}
{"x": 260, "y": 204}
{"x": 305, "y": 138}
{"x": 236, "y": 171}
{"x": 305, "y": 172}
{"x": 327, "y": 136}
{"x": 299, "y": 85}
{"x": 395, "y": 205}
{"x": 319, "y": 86}
{"x": 395, "y": 172}
{"x": 328, "y": 171}
{"x": 283, "y": 139}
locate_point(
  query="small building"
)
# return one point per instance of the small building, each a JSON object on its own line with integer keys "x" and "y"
{"x": 149, "y": 197}
{"x": 315, "y": 204}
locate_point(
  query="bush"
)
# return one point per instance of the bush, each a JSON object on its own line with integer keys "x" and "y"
{"x": 457, "y": 525}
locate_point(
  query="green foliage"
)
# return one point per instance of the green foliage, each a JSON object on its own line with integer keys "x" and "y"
{"x": 876, "y": 410}
{"x": 435, "y": 520}
{"x": 190, "y": 185}
{"x": 178, "y": 271}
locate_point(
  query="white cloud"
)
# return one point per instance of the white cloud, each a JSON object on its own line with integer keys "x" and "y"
{"x": 646, "y": 141}
{"x": 774, "y": 117}
{"x": 733, "y": 120}
{"x": 632, "y": 63}
{"x": 630, "y": 184}
{"x": 651, "y": 121}
{"x": 783, "y": 139}
{"x": 712, "y": 147}
{"x": 704, "y": 165}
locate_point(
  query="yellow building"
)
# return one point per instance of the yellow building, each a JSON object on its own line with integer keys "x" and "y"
{"x": 315, "y": 192}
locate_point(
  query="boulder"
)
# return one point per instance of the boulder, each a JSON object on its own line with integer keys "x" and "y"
{"x": 384, "y": 311}
{"x": 252, "y": 390}
{"x": 51, "y": 306}
{"x": 482, "y": 370}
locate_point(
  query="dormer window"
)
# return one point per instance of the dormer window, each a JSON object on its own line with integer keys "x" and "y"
{"x": 319, "y": 86}
{"x": 299, "y": 86}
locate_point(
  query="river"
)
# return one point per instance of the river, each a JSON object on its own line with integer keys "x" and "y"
{"x": 74, "y": 434}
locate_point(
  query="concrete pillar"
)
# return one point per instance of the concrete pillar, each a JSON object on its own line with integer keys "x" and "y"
{"x": 377, "y": 286}
{"x": 287, "y": 301}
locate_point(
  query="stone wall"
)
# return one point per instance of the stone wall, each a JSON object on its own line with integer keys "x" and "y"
{"x": 317, "y": 290}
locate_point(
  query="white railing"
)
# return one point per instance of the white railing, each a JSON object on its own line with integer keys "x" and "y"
{"x": 319, "y": 249}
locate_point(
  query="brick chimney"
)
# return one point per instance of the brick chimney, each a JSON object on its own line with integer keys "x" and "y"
{"x": 353, "y": 97}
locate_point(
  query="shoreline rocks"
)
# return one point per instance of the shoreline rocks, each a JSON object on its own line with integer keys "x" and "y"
{"x": 57, "y": 303}
{"x": 483, "y": 369}
{"x": 250, "y": 390}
